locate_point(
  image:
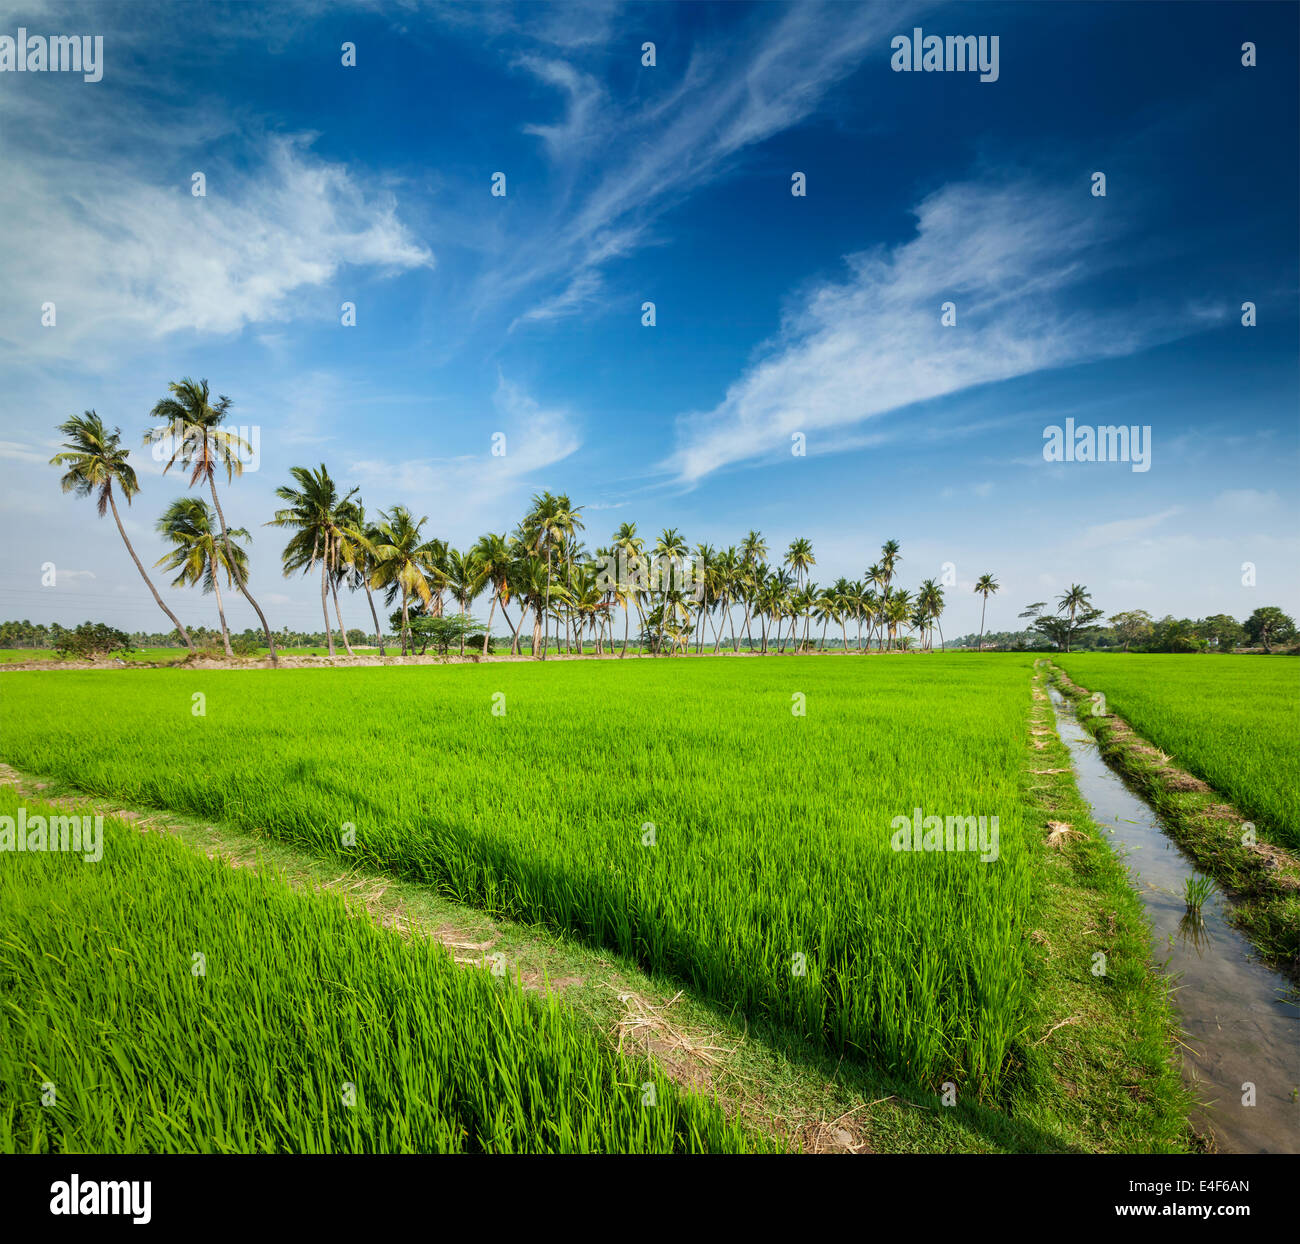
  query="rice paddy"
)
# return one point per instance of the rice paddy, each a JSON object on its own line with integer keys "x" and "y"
{"x": 728, "y": 822}
{"x": 156, "y": 1001}
{"x": 1230, "y": 720}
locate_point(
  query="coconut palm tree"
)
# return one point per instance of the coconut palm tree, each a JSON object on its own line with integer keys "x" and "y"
{"x": 494, "y": 557}
{"x": 352, "y": 515}
{"x": 897, "y": 612}
{"x": 878, "y": 577}
{"x": 545, "y": 526}
{"x": 799, "y": 557}
{"x": 198, "y": 556}
{"x": 726, "y": 571}
{"x": 889, "y": 559}
{"x": 630, "y": 550}
{"x": 986, "y": 585}
{"x": 705, "y": 556}
{"x": 95, "y": 460}
{"x": 466, "y": 577}
{"x": 827, "y": 608}
{"x": 192, "y": 427}
{"x": 669, "y": 550}
{"x": 405, "y": 562}
{"x": 312, "y": 513}
{"x": 753, "y": 553}
{"x": 1078, "y": 597}
{"x": 930, "y": 598}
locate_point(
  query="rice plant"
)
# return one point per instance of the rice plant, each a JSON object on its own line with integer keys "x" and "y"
{"x": 160, "y": 1002}
{"x": 729, "y": 822}
{"x": 1230, "y": 720}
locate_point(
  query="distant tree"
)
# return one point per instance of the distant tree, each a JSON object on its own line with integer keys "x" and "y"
{"x": 1132, "y": 626}
{"x": 90, "y": 639}
{"x": 1221, "y": 631}
{"x": 1268, "y": 625}
{"x": 1172, "y": 634}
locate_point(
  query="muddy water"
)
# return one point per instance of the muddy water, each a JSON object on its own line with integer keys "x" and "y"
{"x": 1239, "y": 1027}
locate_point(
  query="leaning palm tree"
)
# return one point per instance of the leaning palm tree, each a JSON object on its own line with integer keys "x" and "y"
{"x": 192, "y": 427}
{"x": 95, "y": 459}
{"x": 197, "y": 555}
{"x": 986, "y": 585}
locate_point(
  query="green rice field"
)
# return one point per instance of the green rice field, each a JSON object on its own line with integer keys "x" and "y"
{"x": 725, "y": 822}
{"x": 242, "y": 1016}
{"x": 1231, "y": 720}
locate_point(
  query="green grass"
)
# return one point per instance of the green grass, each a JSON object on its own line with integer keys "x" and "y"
{"x": 772, "y": 831}
{"x": 100, "y": 1003}
{"x": 1230, "y": 720}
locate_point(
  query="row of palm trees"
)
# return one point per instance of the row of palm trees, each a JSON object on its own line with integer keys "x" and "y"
{"x": 679, "y": 594}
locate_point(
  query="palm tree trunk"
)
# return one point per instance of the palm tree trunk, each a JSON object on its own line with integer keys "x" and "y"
{"x": 984, "y": 606}
{"x": 379, "y": 633}
{"x": 334, "y": 590}
{"x": 221, "y": 613}
{"x": 548, "y": 606}
{"x": 627, "y": 623}
{"x": 324, "y": 598}
{"x": 176, "y": 622}
{"x": 487, "y": 639}
{"x": 406, "y": 622}
{"x": 238, "y": 571}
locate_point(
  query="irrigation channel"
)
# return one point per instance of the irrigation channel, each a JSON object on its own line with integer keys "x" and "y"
{"x": 1240, "y": 1020}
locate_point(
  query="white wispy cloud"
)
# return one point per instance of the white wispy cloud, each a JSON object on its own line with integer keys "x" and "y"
{"x": 469, "y": 493}
{"x": 873, "y": 342}
{"x": 128, "y": 255}
{"x": 641, "y": 162}
{"x": 1121, "y": 530}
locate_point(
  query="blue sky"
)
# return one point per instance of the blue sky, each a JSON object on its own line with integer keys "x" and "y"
{"x": 775, "y": 314}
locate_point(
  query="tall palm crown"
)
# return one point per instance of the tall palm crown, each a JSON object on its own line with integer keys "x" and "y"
{"x": 1078, "y": 597}
{"x": 192, "y": 429}
{"x": 799, "y": 557}
{"x": 95, "y": 460}
{"x": 198, "y": 555}
{"x": 986, "y": 585}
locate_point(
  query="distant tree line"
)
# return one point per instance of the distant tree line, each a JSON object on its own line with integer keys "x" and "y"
{"x": 1135, "y": 630}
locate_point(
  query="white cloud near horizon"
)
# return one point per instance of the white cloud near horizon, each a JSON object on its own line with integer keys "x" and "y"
{"x": 466, "y": 495}
{"x": 872, "y": 342}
